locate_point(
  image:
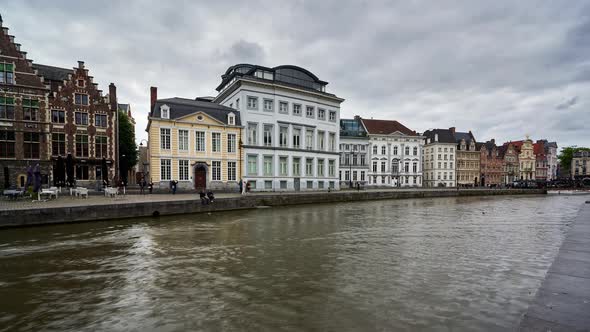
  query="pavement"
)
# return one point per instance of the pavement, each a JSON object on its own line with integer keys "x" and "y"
{"x": 562, "y": 302}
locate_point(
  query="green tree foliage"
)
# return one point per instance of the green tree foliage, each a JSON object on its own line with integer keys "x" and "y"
{"x": 566, "y": 155}
{"x": 127, "y": 146}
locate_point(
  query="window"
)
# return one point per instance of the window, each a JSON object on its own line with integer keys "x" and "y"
{"x": 383, "y": 166}
{"x": 362, "y": 175}
{"x": 81, "y": 172}
{"x": 231, "y": 143}
{"x": 200, "y": 141}
{"x": 216, "y": 171}
{"x": 165, "y": 169}
{"x": 216, "y": 142}
{"x": 320, "y": 167}
{"x": 283, "y": 184}
{"x": 296, "y": 138}
{"x": 165, "y": 112}
{"x": 321, "y": 141}
{"x": 321, "y": 114}
{"x": 268, "y": 105}
{"x": 415, "y": 151}
{"x": 362, "y": 159}
{"x": 81, "y": 118}
{"x": 374, "y": 149}
{"x": 268, "y": 165}
{"x": 394, "y": 166}
{"x": 296, "y": 109}
{"x": 268, "y": 185}
{"x": 407, "y": 150}
{"x": 407, "y": 167}
{"x": 30, "y": 109}
{"x": 332, "y": 116}
{"x": 183, "y": 170}
{"x": 231, "y": 171}
{"x": 283, "y": 107}
{"x": 100, "y": 146}
{"x": 183, "y": 140}
{"x": 415, "y": 167}
{"x": 6, "y": 108}
{"x": 253, "y": 103}
{"x": 283, "y": 136}
{"x": 252, "y": 133}
{"x": 6, "y": 73}
{"x": 374, "y": 167}
{"x": 31, "y": 145}
{"x": 7, "y": 144}
{"x": 58, "y": 116}
{"x": 383, "y": 150}
{"x": 296, "y": 166}
{"x": 80, "y": 83}
{"x": 267, "y": 135}
{"x": 252, "y": 165}
{"x": 354, "y": 175}
{"x": 100, "y": 120}
{"x": 309, "y": 166}
{"x": 283, "y": 166}
{"x": 395, "y": 150}
{"x": 58, "y": 144}
{"x": 346, "y": 159}
{"x": 165, "y": 138}
{"x": 82, "y": 145}
{"x": 346, "y": 175}
{"x": 309, "y": 139}
{"x": 309, "y": 111}
{"x": 331, "y": 167}
{"x": 231, "y": 119}
{"x": 332, "y": 141}
{"x": 81, "y": 99}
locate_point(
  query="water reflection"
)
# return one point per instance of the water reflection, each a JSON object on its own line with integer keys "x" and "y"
{"x": 438, "y": 264}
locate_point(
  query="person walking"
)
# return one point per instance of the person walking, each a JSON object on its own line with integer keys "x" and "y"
{"x": 241, "y": 184}
{"x": 244, "y": 187}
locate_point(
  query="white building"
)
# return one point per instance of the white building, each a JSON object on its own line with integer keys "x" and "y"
{"x": 291, "y": 126}
{"x": 354, "y": 153}
{"x": 439, "y": 158}
{"x": 395, "y": 154}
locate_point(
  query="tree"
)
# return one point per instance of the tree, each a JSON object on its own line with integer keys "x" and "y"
{"x": 567, "y": 154}
{"x": 127, "y": 147}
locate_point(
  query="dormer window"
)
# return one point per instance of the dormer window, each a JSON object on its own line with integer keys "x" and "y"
{"x": 165, "y": 112}
{"x": 231, "y": 119}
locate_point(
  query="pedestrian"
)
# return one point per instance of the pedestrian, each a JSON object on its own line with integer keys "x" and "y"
{"x": 247, "y": 186}
{"x": 151, "y": 186}
{"x": 142, "y": 186}
{"x": 203, "y": 196}
{"x": 241, "y": 184}
{"x": 210, "y": 196}
{"x": 174, "y": 184}
{"x": 244, "y": 187}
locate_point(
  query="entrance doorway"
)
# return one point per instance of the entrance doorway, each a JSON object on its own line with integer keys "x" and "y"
{"x": 297, "y": 184}
{"x": 200, "y": 177}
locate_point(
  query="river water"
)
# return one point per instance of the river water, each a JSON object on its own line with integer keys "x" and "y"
{"x": 427, "y": 264}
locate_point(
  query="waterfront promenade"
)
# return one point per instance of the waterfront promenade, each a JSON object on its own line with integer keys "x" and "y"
{"x": 562, "y": 302}
{"x": 68, "y": 209}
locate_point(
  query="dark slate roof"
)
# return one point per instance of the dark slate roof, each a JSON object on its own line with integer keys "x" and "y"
{"x": 468, "y": 137}
{"x": 444, "y": 135}
{"x": 386, "y": 127}
{"x": 53, "y": 73}
{"x": 180, "y": 107}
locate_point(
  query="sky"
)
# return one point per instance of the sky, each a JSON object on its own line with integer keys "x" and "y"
{"x": 502, "y": 69}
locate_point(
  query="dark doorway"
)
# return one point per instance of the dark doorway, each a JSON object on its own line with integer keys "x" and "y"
{"x": 200, "y": 177}
{"x": 297, "y": 184}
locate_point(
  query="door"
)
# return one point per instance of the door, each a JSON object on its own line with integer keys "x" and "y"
{"x": 200, "y": 178}
{"x": 297, "y": 184}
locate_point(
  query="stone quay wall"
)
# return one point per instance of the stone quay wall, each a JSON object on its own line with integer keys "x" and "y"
{"x": 122, "y": 210}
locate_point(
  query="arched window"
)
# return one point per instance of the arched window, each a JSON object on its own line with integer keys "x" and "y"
{"x": 374, "y": 149}
{"x": 383, "y": 149}
{"x": 415, "y": 151}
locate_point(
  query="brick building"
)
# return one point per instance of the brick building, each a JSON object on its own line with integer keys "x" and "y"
{"x": 24, "y": 119}
{"x": 82, "y": 122}
{"x": 491, "y": 164}
{"x": 509, "y": 153}
{"x": 542, "y": 165}
{"x": 47, "y": 112}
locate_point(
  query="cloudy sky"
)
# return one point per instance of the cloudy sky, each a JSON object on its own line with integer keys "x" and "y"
{"x": 502, "y": 69}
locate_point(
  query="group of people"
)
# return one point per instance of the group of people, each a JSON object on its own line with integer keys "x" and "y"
{"x": 143, "y": 184}
{"x": 244, "y": 186}
{"x": 206, "y": 198}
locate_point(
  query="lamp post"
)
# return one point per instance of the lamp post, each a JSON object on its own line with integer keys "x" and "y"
{"x": 352, "y": 154}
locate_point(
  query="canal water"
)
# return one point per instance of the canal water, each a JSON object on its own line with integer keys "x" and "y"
{"x": 426, "y": 264}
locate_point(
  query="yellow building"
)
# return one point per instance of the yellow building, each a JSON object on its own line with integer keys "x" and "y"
{"x": 195, "y": 142}
{"x": 527, "y": 160}
{"x": 468, "y": 159}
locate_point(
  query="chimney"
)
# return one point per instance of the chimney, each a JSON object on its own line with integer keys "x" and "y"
{"x": 357, "y": 117}
{"x": 0, "y": 20}
{"x": 452, "y": 129}
{"x": 80, "y": 64}
{"x": 153, "y": 97}
{"x": 436, "y": 137}
{"x": 113, "y": 96}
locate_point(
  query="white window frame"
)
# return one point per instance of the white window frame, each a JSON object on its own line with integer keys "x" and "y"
{"x": 231, "y": 142}
{"x": 215, "y": 170}
{"x": 165, "y": 169}
{"x": 285, "y": 109}
{"x": 232, "y": 174}
{"x": 183, "y": 170}
{"x": 165, "y": 144}
{"x": 183, "y": 142}
{"x": 252, "y": 103}
{"x": 298, "y": 107}
{"x": 204, "y": 138}
{"x": 215, "y": 144}
{"x": 270, "y": 102}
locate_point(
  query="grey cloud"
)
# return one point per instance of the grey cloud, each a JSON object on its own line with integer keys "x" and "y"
{"x": 568, "y": 103}
{"x": 498, "y": 68}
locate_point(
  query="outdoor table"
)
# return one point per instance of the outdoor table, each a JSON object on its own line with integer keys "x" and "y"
{"x": 11, "y": 193}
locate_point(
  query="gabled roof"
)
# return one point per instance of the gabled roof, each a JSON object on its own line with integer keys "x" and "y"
{"x": 180, "y": 107}
{"x": 444, "y": 135}
{"x": 386, "y": 127}
{"x": 53, "y": 73}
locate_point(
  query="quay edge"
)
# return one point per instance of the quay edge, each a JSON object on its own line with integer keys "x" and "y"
{"x": 122, "y": 210}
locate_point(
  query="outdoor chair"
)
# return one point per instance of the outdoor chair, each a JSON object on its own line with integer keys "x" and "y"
{"x": 82, "y": 192}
